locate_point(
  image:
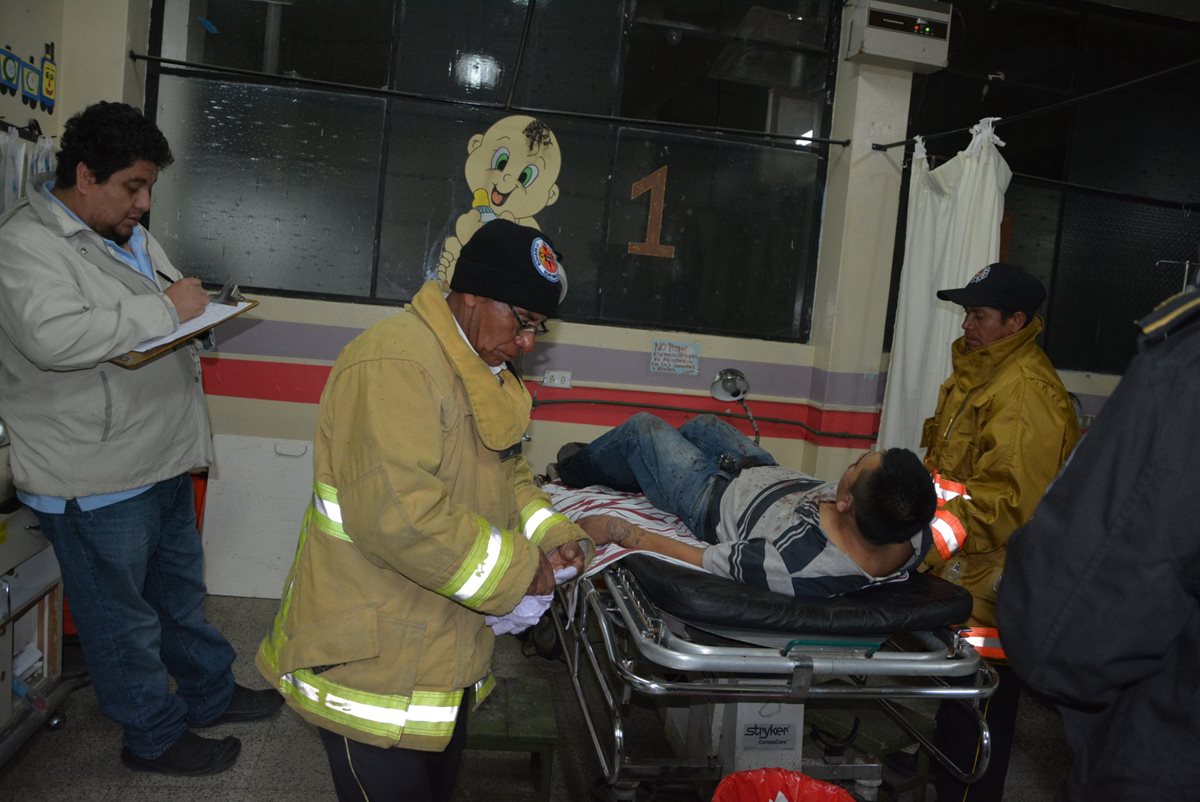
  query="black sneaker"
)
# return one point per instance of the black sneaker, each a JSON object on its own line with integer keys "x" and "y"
{"x": 569, "y": 450}
{"x": 554, "y": 469}
{"x": 247, "y": 705}
{"x": 190, "y": 756}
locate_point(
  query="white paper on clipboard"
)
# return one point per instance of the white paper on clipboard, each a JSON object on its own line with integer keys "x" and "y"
{"x": 211, "y": 316}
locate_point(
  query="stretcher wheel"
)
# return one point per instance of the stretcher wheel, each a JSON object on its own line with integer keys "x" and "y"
{"x": 626, "y": 791}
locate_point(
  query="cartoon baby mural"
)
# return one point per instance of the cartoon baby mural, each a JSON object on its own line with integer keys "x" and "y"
{"x": 512, "y": 170}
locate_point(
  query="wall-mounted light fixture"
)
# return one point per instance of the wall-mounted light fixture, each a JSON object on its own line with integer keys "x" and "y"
{"x": 731, "y": 385}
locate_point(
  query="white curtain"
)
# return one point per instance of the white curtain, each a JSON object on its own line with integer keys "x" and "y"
{"x": 953, "y": 230}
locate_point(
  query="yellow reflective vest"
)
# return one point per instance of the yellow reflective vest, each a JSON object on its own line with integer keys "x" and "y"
{"x": 1003, "y": 428}
{"x": 423, "y": 519}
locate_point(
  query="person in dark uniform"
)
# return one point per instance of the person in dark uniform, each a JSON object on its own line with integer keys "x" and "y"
{"x": 1100, "y": 605}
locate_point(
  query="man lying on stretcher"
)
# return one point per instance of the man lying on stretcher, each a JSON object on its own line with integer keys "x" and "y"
{"x": 769, "y": 526}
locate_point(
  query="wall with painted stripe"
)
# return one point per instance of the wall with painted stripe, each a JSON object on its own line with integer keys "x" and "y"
{"x": 271, "y": 366}
{"x": 273, "y": 356}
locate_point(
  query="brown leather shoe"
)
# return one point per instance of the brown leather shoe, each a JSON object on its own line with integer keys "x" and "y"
{"x": 247, "y": 705}
{"x": 190, "y": 756}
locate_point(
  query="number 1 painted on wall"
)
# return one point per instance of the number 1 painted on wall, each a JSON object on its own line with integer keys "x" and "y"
{"x": 656, "y": 183}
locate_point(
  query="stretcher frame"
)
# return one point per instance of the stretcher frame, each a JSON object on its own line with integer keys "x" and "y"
{"x": 607, "y": 623}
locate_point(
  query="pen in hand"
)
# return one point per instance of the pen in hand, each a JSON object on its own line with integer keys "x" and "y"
{"x": 188, "y": 295}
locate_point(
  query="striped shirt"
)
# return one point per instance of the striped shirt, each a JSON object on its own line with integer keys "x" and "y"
{"x": 770, "y": 536}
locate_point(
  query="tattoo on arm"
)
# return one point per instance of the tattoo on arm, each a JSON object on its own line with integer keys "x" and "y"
{"x": 611, "y": 529}
{"x": 623, "y": 533}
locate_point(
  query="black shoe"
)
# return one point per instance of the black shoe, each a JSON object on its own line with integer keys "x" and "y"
{"x": 247, "y": 705}
{"x": 554, "y": 469}
{"x": 190, "y": 756}
{"x": 569, "y": 450}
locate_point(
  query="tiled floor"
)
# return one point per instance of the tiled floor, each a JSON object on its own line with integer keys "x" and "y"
{"x": 282, "y": 758}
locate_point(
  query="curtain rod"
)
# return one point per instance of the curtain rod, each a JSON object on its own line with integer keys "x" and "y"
{"x": 1184, "y": 206}
{"x": 1052, "y": 107}
{"x": 30, "y": 132}
{"x": 773, "y": 138}
{"x": 512, "y": 86}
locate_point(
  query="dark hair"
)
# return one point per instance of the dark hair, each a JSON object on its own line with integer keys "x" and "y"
{"x": 893, "y": 502}
{"x": 108, "y": 137}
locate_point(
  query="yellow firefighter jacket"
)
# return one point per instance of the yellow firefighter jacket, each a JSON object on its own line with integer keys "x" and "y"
{"x": 424, "y": 518}
{"x": 1004, "y": 426}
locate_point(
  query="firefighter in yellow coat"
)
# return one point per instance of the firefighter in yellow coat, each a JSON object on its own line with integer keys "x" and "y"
{"x": 1003, "y": 427}
{"x": 425, "y": 518}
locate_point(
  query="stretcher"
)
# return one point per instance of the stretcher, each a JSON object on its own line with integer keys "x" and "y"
{"x": 636, "y": 626}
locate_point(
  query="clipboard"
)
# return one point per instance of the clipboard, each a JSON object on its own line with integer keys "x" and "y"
{"x": 214, "y": 315}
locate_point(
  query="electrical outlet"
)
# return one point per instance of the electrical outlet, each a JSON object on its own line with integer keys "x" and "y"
{"x": 556, "y": 378}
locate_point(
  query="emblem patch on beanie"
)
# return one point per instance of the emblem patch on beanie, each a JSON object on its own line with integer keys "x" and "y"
{"x": 544, "y": 260}
{"x": 981, "y": 275}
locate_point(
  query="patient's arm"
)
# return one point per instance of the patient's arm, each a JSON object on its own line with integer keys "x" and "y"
{"x": 604, "y": 529}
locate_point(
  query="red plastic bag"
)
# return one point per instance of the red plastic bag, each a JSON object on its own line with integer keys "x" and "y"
{"x": 766, "y": 785}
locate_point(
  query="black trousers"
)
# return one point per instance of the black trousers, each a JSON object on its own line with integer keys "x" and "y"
{"x": 364, "y": 773}
{"x": 958, "y": 737}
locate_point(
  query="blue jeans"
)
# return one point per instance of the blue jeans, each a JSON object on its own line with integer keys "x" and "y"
{"x": 676, "y": 469}
{"x": 134, "y": 575}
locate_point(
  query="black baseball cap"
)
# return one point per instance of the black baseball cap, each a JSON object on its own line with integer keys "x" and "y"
{"x": 1001, "y": 286}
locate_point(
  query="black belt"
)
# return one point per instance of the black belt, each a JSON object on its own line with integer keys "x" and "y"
{"x": 712, "y": 513}
{"x": 730, "y": 470}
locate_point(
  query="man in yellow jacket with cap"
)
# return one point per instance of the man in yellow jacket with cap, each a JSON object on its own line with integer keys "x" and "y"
{"x": 425, "y": 519}
{"x": 1003, "y": 427}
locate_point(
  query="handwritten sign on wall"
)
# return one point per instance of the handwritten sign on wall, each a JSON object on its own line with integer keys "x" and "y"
{"x": 667, "y": 356}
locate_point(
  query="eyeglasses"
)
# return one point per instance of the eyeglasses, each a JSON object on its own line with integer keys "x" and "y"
{"x": 523, "y": 326}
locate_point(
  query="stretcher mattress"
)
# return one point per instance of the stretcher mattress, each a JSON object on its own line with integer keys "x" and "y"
{"x": 919, "y": 603}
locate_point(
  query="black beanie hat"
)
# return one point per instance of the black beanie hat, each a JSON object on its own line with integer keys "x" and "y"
{"x": 513, "y": 264}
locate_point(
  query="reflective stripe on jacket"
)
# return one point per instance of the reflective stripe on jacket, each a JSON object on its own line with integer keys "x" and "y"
{"x": 986, "y": 641}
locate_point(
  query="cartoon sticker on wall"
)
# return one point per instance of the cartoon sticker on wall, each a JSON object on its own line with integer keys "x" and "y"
{"x": 512, "y": 170}
{"x": 49, "y": 79}
{"x": 10, "y": 71}
{"x": 37, "y": 85}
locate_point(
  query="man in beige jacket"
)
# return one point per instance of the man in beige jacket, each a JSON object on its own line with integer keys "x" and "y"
{"x": 102, "y": 453}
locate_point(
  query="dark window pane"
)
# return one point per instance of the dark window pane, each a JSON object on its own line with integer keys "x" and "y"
{"x": 1108, "y": 276}
{"x": 424, "y": 190}
{"x": 459, "y": 49}
{"x": 740, "y": 218}
{"x": 330, "y": 40}
{"x": 275, "y": 187}
{"x": 721, "y": 63}
{"x": 572, "y": 59}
